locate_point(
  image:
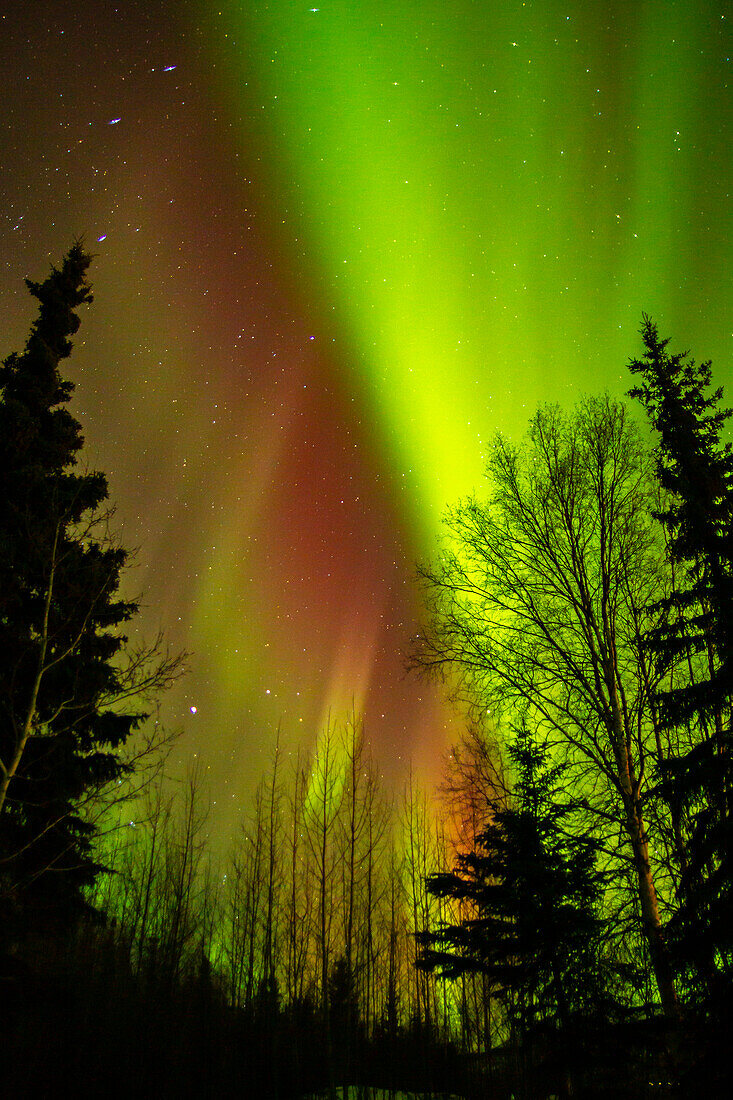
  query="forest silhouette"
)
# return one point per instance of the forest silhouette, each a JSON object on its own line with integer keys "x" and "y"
{"x": 555, "y": 921}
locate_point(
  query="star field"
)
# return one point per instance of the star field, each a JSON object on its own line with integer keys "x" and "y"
{"x": 336, "y": 249}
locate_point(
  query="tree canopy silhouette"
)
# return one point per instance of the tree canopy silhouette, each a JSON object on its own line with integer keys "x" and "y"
{"x": 533, "y": 890}
{"x": 694, "y": 639}
{"x": 69, "y": 676}
{"x": 539, "y": 601}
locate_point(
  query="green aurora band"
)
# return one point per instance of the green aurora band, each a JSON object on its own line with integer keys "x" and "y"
{"x": 337, "y": 250}
{"x": 482, "y": 199}
{"x": 476, "y": 202}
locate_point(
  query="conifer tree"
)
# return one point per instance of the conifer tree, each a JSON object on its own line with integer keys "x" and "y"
{"x": 67, "y": 672}
{"x": 696, "y": 470}
{"x": 694, "y": 639}
{"x": 529, "y": 894}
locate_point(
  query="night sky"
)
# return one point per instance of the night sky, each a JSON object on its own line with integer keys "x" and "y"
{"x": 336, "y": 249}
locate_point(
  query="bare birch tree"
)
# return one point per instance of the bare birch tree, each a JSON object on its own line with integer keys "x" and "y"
{"x": 539, "y": 600}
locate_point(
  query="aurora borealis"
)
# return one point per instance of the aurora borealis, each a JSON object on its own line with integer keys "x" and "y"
{"x": 337, "y": 248}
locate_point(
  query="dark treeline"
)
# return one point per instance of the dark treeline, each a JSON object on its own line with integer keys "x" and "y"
{"x": 286, "y": 968}
{"x": 585, "y": 603}
{"x": 556, "y": 921}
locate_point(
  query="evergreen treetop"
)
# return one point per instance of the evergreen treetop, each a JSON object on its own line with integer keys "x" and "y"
{"x": 62, "y": 672}
{"x": 696, "y": 472}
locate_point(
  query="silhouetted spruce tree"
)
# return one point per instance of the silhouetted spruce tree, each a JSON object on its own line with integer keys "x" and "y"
{"x": 695, "y": 637}
{"x": 60, "y": 614}
{"x": 529, "y": 893}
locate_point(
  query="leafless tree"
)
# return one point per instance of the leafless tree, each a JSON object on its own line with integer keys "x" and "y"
{"x": 474, "y": 777}
{"x": 540, "y": 601}
{"x": 321, "y": 809}
{"x": 297, "y": 907}
{"x": 422, "y": 857}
